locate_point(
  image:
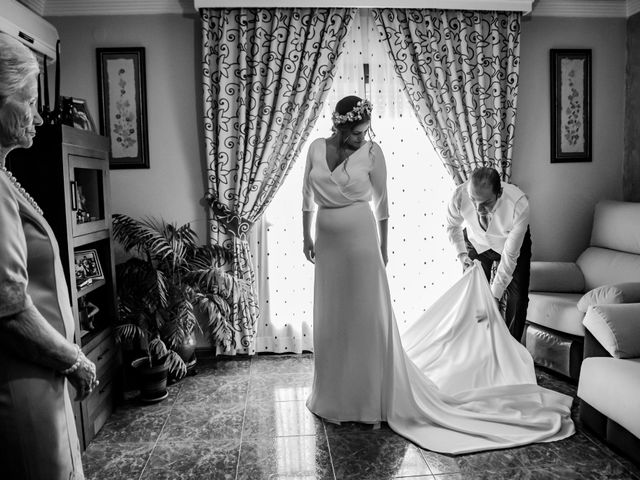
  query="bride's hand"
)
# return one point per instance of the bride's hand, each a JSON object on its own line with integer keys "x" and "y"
{"x": 309, "y": 250}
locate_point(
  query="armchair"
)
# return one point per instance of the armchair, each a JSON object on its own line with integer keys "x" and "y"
{"x": 560, "y": 293}
{"x": 609, "y": 384}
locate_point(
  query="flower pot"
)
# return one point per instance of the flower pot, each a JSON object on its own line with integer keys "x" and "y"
{"x": 152, "y": 380}
{"x": 187, "y": 352}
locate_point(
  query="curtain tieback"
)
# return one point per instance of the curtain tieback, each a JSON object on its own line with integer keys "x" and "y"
{"x": 233, "y": 222}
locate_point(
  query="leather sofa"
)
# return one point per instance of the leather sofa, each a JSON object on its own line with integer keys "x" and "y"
{"x": 609, "y": 384}
{"x": 560, "y": 293}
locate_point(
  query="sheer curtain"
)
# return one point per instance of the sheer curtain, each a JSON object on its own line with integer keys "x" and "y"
{"x": 422, "y": 264}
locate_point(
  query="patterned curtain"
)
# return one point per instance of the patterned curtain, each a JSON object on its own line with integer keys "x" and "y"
{"x": 460, "y": 73}
{"x": 266, "y": 73}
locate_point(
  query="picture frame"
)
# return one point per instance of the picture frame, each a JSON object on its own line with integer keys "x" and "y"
{"x": 122, "y": 98}
{"x": 75, "y": 113}
{"x": 570, "y": 105}
{"x": 87, "y": 267}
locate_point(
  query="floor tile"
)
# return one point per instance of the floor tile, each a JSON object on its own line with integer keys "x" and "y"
{"x": 135, "y": 423}
{"x": 269, "y": 387}
{"x": 595, "y": 470}
{"x": 273, "y": 364}
{"x": 224, "y": 366}
{"x": 305, "y": 457}
{"x": 578, "y": 450}
{"x": 490, "y": 462}
{"x": 213, "y": 460}
{"x": 203, "y": 422}
{"x": 108, "y": 461}
{"x": 214, "y": 389}
{"x": 279, "y": 419}
{"x": 380, "y": 455}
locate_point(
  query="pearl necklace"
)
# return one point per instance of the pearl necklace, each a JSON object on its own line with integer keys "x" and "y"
{"x": 21, "y": 189}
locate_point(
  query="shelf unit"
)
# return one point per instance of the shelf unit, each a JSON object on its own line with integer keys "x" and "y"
{"x": 67, "y": 172}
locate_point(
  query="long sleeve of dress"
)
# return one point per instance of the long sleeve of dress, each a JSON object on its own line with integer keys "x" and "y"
{"x": 378, "y": 176}
{"x": 454, "y": 223}
{"x": 511, "y": 251}
{"x": 308, "y": 203}
{"x": 13, "y": 257}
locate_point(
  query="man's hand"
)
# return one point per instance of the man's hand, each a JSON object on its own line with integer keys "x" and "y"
{"x": 466, "y": 261}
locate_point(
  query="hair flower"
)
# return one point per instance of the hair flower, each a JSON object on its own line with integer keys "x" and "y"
{"x": 355, "y": 114}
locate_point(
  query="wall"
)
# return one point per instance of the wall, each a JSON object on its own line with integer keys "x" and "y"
{"x": 563, "y": 195}
{"x": 173, "y": 187}
{"x": 631, "y": 171}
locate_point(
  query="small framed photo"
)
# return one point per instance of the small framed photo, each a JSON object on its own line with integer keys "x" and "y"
{"x": 122, "y": 96}
{"x": 76, "y": 114}
{"x": 88, "y": 268}
{"x": 570, "y": 105}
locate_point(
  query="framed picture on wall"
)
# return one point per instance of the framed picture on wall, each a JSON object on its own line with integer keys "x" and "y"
{"x": 570, "y": 105}
{"x": 122, "y": 98}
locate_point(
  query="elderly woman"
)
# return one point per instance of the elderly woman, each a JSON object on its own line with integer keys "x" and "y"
{"x": 38, "y": 437}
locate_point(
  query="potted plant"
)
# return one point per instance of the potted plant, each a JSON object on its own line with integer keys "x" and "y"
{"x": 160, "y": 288}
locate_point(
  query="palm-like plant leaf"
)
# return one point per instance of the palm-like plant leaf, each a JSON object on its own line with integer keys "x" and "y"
{"x": 172, "y": 276}
{"x": 129, "y": 332}
{"x": 177, "y": 367}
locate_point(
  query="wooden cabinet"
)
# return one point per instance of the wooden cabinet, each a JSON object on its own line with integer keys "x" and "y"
{"x": 67, "y": 172}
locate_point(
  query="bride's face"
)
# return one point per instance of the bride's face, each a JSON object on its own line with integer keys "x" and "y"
{"x": 357, "y": 136}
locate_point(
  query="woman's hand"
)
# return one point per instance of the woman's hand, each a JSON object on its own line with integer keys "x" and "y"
{"x": 309, "y": 250}
{"x": 83, "y": 378}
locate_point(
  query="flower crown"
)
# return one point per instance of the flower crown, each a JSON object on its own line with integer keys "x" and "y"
{"x": 363, "y": 106}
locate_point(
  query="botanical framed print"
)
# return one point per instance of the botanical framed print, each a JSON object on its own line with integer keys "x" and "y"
{"x": 123, "y": 105}
{"x": 570, "y": 105}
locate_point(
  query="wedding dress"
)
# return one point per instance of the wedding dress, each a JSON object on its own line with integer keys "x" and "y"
{"x": 456, "y": 381}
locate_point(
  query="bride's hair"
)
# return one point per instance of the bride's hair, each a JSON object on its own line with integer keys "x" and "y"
{"x": 344, "y": 120}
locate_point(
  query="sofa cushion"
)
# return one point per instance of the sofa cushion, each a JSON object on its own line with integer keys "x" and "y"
{"x": 557, "y": 311}
{"x": 564, "y": 277}
{"x": 616, "y": 226}
{"x": 612, "y": 386}
{"x": 601, "y": 266}
{"x": 610, "y": 294}
{"x": 616, "y": 328}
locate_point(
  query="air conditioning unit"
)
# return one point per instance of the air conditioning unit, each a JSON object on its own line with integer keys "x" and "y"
{"x": 28, "y": 27}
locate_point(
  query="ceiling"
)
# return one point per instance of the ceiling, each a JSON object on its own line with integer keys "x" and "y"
{"x": 555, "y": 8}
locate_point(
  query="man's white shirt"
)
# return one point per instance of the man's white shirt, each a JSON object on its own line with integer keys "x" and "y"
{"x": 507, "y": 227}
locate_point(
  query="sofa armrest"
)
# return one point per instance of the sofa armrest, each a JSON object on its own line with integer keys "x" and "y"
{"x": 616, "y": 327}
{"x": 560, "y": 277}
{"x": 610, "y": 294}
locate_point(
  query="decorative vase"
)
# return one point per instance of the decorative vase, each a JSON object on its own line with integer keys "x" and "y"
{"x": 187, "y": 352}
{"x": 152, "y": 380}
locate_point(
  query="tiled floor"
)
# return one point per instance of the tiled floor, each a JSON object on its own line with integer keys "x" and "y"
{"x": 246, "y": 419}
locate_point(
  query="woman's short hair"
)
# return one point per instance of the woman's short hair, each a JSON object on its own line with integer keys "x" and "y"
{"x": 487, "y": 177}
{"x": 17, "y": 65}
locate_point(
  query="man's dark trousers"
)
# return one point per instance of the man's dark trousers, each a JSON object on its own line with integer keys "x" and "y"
{"x": 518, "y": 290}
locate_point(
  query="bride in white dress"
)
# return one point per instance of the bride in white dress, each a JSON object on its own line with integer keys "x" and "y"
{"x": 457, "y": 381}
